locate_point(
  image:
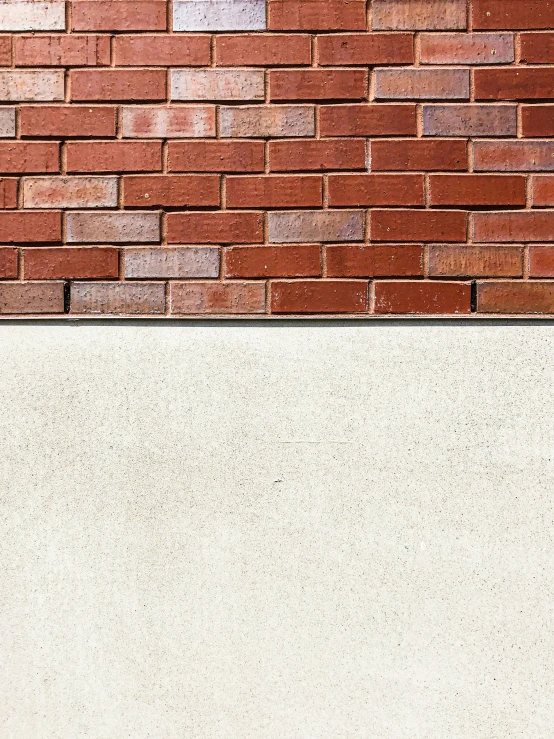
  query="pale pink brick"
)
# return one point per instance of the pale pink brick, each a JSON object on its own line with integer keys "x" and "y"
{"x": 217, "y": 84}
{"x": 179, "y": 122}
{"x": 172, "y": 262}
{"x": 70, "y": 192}
{"x": 129, "y": 298}
{"x": 217, "y": 297}
{"x": 267, "y": 121}
{"x": 34, "y": 15}
{"x": 463, "y": 48}
{"x": 7, "y": 123}
{"x": 419, "y": 15}
{"x": 106, "y": 228}
{"x": 304, "y": 227}
{"x": 32, "y": 85}
{"x": 421, "y": 84}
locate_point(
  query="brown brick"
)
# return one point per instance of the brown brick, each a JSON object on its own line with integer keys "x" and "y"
{"x": 127, "y": 298}
{"x": 171, "y": 191}
{"x": 513, "y": 226}
{"x": 216, "y": 156}
{"x": 217, "y": 297}
{"x": 8, "y": 192}
{"x": 421, "y": 84}
{"x": 68, "y": 263}
{"x": 319, "y": 296}
{"x": 253, "y": 50}
{"x": 172, "y": 262}
{"x": 470, "y": 120}
{"x": 460, "y": 260}
{"x": 467, "y": 48}
{"x": 418, "y": 225}
{"x": 313, "y": 15}
{"x": 537, "y": 48}
{"x": 274, "y": 192}
{"x": 541, "y": 261}
{"x": 542, "y": 187}
{"x": 23, "y": 156}
{"x": 67, "y": 122}
{"x": 273, "y": 261}
{"x": 418, "y": 155}
{"x": 31, "y": 297}
{"x": 309, "y": 155}
{"x": 515, "y": 297}
{"x": 5, "y": 51}
{"x": 537, "y": 120}
{"x": 215, "y": 228}
{"x": 307, "y": 226}
{"x": 366, "y": 49}
{"x": 8, "y": 263}
{"x": 114, "y": 156}
{"x": 513, "y": 14}
{"x": 477, "y": 190}
{"x": 375, "y": 189}
{"x": 514, "y": 156}
{"x": 118, "y": 84}
{"x": 440, "y": 298}
{"x": 514, "y": 83}
{"x": 376, "y": 260}
{"x": 368, "y": 120}
{"x": 62, "y": 51}
{"x": 419, "y": 15}
{"x": 118, "y": 15}
{"x": 112, "y": 227}
{"x": 318, "y": 84}
{"x": 30, "y": 226}
{"x": 162, "y": 51}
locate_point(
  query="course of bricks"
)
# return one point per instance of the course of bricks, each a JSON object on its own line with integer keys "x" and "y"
{"x": 276, "y": 157}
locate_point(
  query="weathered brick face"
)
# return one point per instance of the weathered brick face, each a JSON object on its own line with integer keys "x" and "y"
{"x": 276, "y": 157}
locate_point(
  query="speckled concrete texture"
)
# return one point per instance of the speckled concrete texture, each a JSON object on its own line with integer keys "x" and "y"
{"x": 276, "y": 531}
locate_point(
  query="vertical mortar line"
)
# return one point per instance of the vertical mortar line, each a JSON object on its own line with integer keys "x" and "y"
{"x": 369, "y": 15}
{"x": 426, "y": 189}
{"x": 417, "y": 49}
{"x": 167, "y": 298}
{"x": 268, "y": 286}
{"x": 517, "y": 48}
{"x": 419, "y": 120}
{"x": 112, "y": 50}
{"x": 469, "y": 16}
{"x": 213, "y": 60}
{"x": 314, "y": 50}
{"x": 371, "y": 296}
{"x": 526, "y": 264}
{"x": 119, "y": 122}
{"x": 325, "y": 191}
{"x": 471, "y": 85}
{"x": 20, "y": 264}
{"x": 519, "y": 118}
{"x": 470, "y": 155}
{"x": 425, "y": 260}
{"x": 529, "y": 180}
{"x": 323, "y": 260}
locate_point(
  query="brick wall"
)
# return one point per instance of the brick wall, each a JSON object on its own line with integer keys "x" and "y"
{"x": 212, "y": 157}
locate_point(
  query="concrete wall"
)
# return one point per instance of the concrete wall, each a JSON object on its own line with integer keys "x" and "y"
{"x": 273, "y": 532}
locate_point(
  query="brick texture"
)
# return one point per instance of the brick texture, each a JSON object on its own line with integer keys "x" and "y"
{"x": 277, "y": 157}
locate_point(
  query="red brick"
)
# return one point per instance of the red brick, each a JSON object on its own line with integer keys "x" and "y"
{"x": 318, "y": 84}
{"x": 513, "y": 226}
{"x": 62, "y": 51}
{"x": 8, "y": 263}
{"x": 165, "y": 51}
{"x": 448, "y": 154}
{"x": 319, "y": 296}
{"x": 513, "y": 14}
{"x": 543, "y": 191}
{"x": 418, "y": 225}
{"x": 476, "y": 190}
{"x": 8, "y": 192}
{"x": 5, "y": 51}
{"x": 217, "y": 297}
{"x": 537, "y": 120}
{"x": 67, "y": 122}
{"x": 171, "y": 191}
{"x": 376, "y": 189}
{"x": 24, "y": 156}
{"x": 541, "y": 261}
{"x": 295, "y": 156}
{"x": 30, "y": 226}
{"x": 273, "y": 261}
{"x": 368, "y": 120}
{"x": 515, "y": 297}
{"x": 114, "y": 156}
{"x": 118, "y": 84}
{"x": 127, "y": 298}
{"x": 31, "y": 297}
{"x": 253, "y": 50}
{"x": 366, "y": 49}
{"x": 460, "y": 260}
{"x": 314, "y": 15}
{"x": 66, "y": 262}
{"x": 513, "y": 156}
{"x": 215, "y": 228}
{"x": 118, "y": 15}
{"x": 377, "y": 260}
{"x": 274, "y": 192}
{"x": 514, "y": 83}
{"x": 467, "y": 48}
{"x": 537, "y": 48}
{"x": 440, "y": 298}
{"x": 216, "y": 156}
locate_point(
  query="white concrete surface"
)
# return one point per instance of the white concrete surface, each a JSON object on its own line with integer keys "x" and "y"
{"x": 276, "y": 532}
